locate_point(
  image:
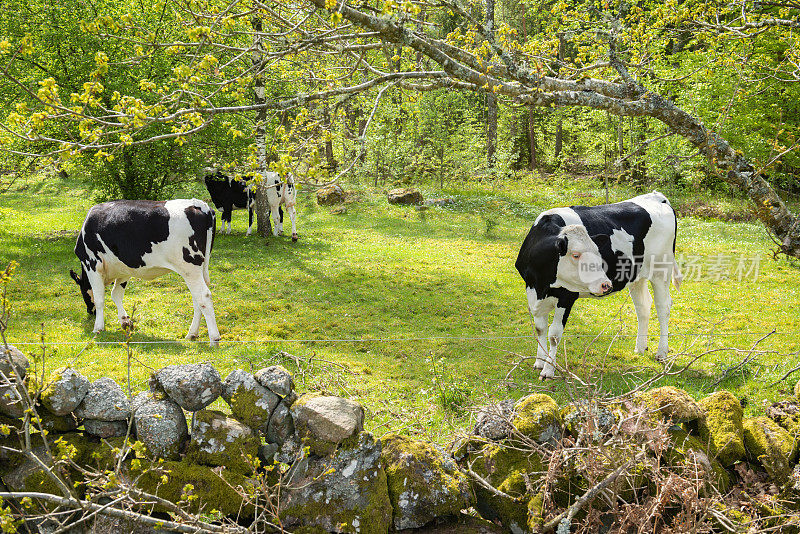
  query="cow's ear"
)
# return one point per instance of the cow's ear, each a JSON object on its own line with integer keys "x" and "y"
{"x": 75, "y": 277}
{"x": 561, "y": 246}
{"x": 601, "y": 240}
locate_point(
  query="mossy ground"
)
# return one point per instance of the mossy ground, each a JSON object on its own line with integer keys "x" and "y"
{"x": 414, "y": 289}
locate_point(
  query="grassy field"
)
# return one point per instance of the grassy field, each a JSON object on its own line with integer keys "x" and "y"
{"x": 418, "y": 314}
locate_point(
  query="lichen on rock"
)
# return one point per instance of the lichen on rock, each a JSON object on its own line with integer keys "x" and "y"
{"x": 250, "y": 402}
{"x": 424, "y": 483}
{"x": 64, "y": 391}
{"x": 219, "y": 440}
{"x": 722, "y": 427}
{"x": 345, "y": 492}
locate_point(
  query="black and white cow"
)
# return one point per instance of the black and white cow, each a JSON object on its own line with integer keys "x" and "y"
{"x": 146, "y": 239}
{"x": 278, "y": 193}
{"x": 229, "y": 194}
{"x": 585, "y": 251}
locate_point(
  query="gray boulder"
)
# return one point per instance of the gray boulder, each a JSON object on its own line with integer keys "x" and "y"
{"x": 219, "y": 440}
{"x": 12, "y": 358}
{"x": 323, "y": 422}
{"x": 277, "y": 379}
{"x": 281, "y": 425}
{"x": 105, "y": 429}
{"x": 494, "y": 420}
{"x": 161, "y": 427}
{"x": 104, "y": 401}
{"x": 250, "y": 402}
{"x": 64, "y": 391}
{"x": 192, "y": 386}
{"x": 343, "y": 493}
{"x": 405, "y": 196}
{"x": 12, "y": 399}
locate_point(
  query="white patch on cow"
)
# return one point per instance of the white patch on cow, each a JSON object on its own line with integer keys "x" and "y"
{"x": 622, "y": 241}
{"x": 568, "y": 214}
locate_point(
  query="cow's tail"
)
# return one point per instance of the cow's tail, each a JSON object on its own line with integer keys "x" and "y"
{"x": 677, "y": 275}
{"x": 210, "y": 247}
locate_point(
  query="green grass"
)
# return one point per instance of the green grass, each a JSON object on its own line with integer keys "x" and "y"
{"x": 401, "y": 281}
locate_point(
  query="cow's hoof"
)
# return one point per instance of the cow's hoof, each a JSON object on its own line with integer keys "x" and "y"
{"x": 214, "y": 343}
{"x": 126, "y": 322}
{"x": 661, "y": 356}
{"x": 97, "y": 330}
{"x": 294, "y": 238}
{"x": 280, "y": 232}
{"x": 545, "y": 378}
{"x": 191, "y": 337}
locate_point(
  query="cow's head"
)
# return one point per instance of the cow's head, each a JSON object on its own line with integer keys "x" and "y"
{"x": 86, "y": 290}
{"x": 581, "y": 267}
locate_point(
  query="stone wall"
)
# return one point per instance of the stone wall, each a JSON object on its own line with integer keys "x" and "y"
{"x": 335, "y": 477}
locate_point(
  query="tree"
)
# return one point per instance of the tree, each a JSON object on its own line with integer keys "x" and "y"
{"x": 622, "y": 60}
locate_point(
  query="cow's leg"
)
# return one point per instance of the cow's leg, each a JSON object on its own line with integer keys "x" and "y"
{"x": 293, "y": 216}
{"x": 663, "y": 302}
{"x": 117, "y": 294}
{"x": 554, "y": 334}
{"x": 227, "y": 212}
{"x": 642, "y": 302}
{"x": 540, "y": 310}
{"x": 201, "y": 300}
{"x": 277, "y": 219}
{"x": 98, "y": 295}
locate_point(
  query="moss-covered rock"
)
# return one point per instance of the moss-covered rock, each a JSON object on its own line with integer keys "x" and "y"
{"x": 787, "y": 415}
{"x": 722, "y": 427}
{"x": 424, "y": 483}
{"x": 673, "y": 403}
{"x": 213, "y": 490}
{"x": 219, "y": 440}
{"x": 250, "y": 402}
{"x": 690, "y": 453}
{"x": 508, "y": 469}
{"x": 346, "y": 492}
{"x": 537, "y": 417}
{"x": 770, "y": 445}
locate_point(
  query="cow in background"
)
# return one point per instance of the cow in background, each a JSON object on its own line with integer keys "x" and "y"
{"x": 146, "y": 239}
{"x": 229, "y": 194}
{"x": 278, "y": 193}
{"x": 585, "y": 251}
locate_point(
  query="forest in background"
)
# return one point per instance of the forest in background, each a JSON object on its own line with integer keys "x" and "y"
{"x": 141, "y": 97}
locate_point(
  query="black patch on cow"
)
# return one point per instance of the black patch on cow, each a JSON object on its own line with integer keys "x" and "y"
{"x": 280, "y": 213}
{"x": 602, "y": 221}
{"x": 228, "y": 194}
{"x": 538, "y": 258}
{"x": 200, "y": 222}
{"x": 129, "y": 228}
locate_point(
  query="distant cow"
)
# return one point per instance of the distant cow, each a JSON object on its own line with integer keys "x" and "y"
{"x": 585, "y": 251}
{"x": 278, "y": 193}
{"x": 146, "y": 239}
{"x": 229, "y": 194}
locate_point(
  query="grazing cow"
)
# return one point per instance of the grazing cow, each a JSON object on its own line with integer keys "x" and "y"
{"x": 585, "y": 251}
{"x": 146, "y": 239}
{"x": 281, "y": 193}
{"x": 229, "y": 194}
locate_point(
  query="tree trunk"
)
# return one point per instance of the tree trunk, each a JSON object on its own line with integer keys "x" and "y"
{"x": 264, "y": 225}
{"x": 491, "y": 99}
{"x": 534, "y": 163}
{"x": 326, "y": 121}
{"x": 560, "y": 126}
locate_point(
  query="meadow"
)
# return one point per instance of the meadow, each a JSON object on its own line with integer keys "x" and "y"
{"x": 418, "y": 314}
